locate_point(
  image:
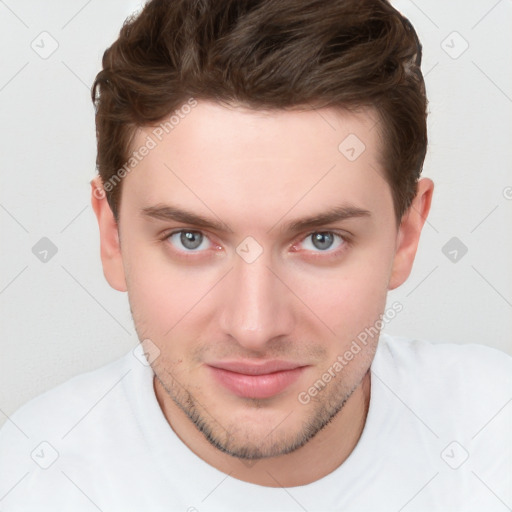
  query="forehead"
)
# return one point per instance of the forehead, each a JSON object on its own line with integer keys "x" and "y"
{"x": 241, "y": 163}
{"x": 285, "y": 134}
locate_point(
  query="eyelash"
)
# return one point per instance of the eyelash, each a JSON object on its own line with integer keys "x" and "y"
{"x": 345, "y": 239}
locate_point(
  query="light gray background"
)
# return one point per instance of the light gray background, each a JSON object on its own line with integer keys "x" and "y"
{"x": 60, "y": 318}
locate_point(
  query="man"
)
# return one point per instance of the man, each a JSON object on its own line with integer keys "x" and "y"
{"x": 258, "y": 194}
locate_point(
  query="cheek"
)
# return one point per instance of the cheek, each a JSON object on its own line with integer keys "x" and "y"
{"x": 161, "y": 294}
{"x": 347, "y": 299}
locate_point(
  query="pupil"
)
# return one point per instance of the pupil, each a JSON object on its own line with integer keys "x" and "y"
{"x": 322, "y": 240}
{"x": 191, "y": 239}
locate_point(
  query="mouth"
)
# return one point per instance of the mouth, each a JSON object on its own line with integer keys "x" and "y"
{"x": 256, "y": 381}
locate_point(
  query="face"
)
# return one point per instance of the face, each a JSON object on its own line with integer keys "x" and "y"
{"x": 254, "y": 252}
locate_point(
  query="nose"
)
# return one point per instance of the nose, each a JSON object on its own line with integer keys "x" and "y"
{"x": 258, "y": 306}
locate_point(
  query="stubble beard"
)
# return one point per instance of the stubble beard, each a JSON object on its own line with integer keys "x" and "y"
{"x": 238, "y": 442}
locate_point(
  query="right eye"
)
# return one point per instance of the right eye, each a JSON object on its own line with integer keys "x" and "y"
{"x": 187, "y": 240}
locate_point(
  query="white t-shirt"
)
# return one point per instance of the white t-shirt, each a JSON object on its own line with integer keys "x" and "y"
{"x": 438, "y": 437}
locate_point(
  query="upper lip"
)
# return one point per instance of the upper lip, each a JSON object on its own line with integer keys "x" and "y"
{"x": 252, "y": 368}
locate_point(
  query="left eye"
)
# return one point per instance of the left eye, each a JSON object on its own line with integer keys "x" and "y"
{"x": 323, "y": 241}
{"x": 190, "y": 240}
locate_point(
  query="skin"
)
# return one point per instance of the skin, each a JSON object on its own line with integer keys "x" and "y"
{"x": 256, "y": 172}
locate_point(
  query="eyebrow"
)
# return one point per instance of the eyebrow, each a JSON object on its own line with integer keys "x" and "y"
{"x": 335, "y": 214}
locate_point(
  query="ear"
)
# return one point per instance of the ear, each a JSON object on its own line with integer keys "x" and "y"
{"x": 109, "y": 237}
{"x": 409, "y": 233}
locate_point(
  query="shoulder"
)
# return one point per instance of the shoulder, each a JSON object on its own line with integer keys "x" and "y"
{"x": 53, "y": 413}
{"x": 450, "y": 359}
{"x": 67, "y": 398}
{"x": 471, "y": 378}
{"x": 69, "y": 426}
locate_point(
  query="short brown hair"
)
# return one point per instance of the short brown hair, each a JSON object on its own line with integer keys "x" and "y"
{"x": 266, "y": 54}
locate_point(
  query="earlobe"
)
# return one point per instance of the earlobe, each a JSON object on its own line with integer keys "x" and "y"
{"x": 111, "y": 258}
{"x": 409, "y": 233}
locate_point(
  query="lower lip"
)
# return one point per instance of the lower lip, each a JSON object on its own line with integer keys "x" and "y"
{"x": 256, "y": 386}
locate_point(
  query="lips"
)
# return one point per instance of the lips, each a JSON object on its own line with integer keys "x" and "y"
{"x": 256, "y": 380}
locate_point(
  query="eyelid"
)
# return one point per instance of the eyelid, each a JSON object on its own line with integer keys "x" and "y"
{"x": 341, "y": 233}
